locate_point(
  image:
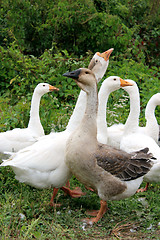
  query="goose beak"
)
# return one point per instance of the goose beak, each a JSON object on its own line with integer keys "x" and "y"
{"x": 125, "y": 83}
{"x": 105, "y": 54}
{"x": 74, "y": 74}
{"x": 52, "y": 88}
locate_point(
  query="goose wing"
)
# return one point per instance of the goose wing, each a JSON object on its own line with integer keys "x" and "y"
{"x": 123, "y": 165}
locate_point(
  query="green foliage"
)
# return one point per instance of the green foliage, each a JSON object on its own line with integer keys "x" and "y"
{"x": 25, "y": 72}
{"x": 83, "y": 25}
{"x": 24, "y": 22}
{"x": 22, "y": 74}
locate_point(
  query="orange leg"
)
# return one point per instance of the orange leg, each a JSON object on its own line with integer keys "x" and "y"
{"x": 55, "y": 190}
{"x": 88, "y": 188}
{"x": 75, "y": 193}
{"x": 99, "y": 215}
{"x": 143, "y": 189}
{"x": 94, "y": 212}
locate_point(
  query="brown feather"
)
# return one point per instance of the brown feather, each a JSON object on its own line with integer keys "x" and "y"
{"x": 123, "y": 165}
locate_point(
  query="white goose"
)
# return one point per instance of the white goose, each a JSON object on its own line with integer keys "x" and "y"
{"x": 108, "y": 86}
{"x": 134, "y": 138}
{"x": 112, "y": 173}
{"x": 42, "y": 165}
{"x": 131, "y": 137}
{"x": 18, "y": 138}
{"x": 152, "y": 128}
{"x": 115, "y": 132}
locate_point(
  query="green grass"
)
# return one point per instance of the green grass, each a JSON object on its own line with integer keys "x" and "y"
{"x": 25, "y": 213}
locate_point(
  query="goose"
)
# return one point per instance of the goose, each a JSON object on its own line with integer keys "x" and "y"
{"x": 134, "y": 138}
{"x": 115, "y": 132}
{"x": 112, "y": 173}
{"x": 18, "y": 138}
{"x": 98, "y": 65}
{"x": 108, "y": 86}
{"x": 42, "y": 165}
{"x": 152, "y": 128}
{"x": 131, "y": 137}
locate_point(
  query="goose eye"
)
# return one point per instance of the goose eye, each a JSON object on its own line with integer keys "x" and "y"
{"x": 96, "y": 60}
{"x": 44, "y": 85}
{"x": 114, "y": 79}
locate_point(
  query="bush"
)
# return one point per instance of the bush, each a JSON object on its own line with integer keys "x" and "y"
{"x": 132, "y": 28}
{"x": 56, "y": 108}
{"x": 20, "y": 74}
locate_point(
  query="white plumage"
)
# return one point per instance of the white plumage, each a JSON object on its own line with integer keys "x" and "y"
{"x": 43, "y": 165}
{"x": 18, "y": 138}
{"x": 152, "y": 128}
{"x": 115, "y": 132}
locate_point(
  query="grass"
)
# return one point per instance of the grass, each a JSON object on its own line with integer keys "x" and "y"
{"x": 25, "y": 213}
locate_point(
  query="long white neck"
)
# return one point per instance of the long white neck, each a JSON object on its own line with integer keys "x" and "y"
{"x": 102, "y": 133}
{"x": 78, "y": 112}
{"x": 152, "y": 126}
{"x": 132, "y": 122}
{"x": 89, "y": 122}
{"x": 34, "y": 121}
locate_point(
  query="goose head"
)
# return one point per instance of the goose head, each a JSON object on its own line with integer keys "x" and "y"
{"x": 84, "y": 78}
{"x": 130, "y": 89}
{"x": 113, "y": 83}
{"x": 99, "y": 63}
{"x": 43, "y": 88}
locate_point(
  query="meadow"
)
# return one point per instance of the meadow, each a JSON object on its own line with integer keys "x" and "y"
{"x": 25, "y": 213}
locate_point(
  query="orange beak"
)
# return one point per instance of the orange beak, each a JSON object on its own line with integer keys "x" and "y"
{"x": 125, "y": 83}
{"x": 105, "y": 54}
{"x": 52, "y": 88}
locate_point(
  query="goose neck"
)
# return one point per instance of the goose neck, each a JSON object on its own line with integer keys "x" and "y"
{"x": 89, "y": 121}
{"x": 34, "y": 121}
{"x": 150, "y": 110}
{"x": 78, "y": 112}
{"x": 152, "y": 126}
{"x": 132, "y": 122}
{"x": 103, "y": 96}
